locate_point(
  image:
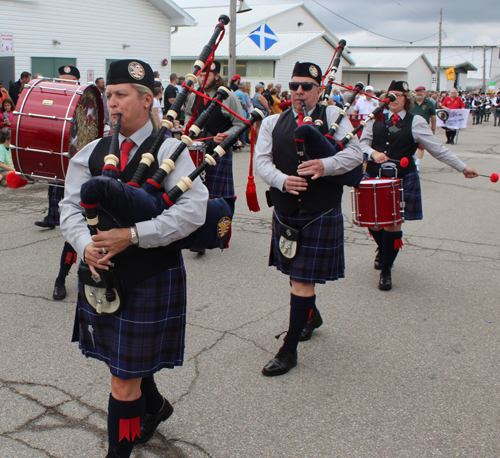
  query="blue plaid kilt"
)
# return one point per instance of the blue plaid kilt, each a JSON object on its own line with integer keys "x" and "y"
{"x": 55, "y": 195}
{"x": 145, "y": 335}
{"x": 412, "y": 195}
{"x": 320, "y": 256}
{"x": 219, "y": 178}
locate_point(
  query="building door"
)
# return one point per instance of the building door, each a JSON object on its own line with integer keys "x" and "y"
{"x": 48, "y": 66}
{"x": 8, "y": 71}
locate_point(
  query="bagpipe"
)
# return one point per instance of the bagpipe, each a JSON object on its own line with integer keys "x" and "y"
{"x": 141, "y": 199}
{"x": 311, "y": 144}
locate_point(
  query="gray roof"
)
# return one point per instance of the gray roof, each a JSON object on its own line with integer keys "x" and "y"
{"x": 386, "y": 61}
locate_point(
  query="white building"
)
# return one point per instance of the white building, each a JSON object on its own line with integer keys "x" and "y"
{"x": 302, "y": 37}
{"x": 378, "y": 69}
{"x": 47, "y": 34}
{"x": 470, "y": 62}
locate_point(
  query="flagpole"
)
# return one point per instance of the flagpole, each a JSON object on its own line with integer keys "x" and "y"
{"x": 232, "y": 40}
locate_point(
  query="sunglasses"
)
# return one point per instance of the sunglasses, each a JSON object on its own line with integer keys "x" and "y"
{"x": 305, "y": 86}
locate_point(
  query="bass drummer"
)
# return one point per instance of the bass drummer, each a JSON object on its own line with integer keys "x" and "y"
{"x": 71, "y": 74}
{"x": 396, "y": 136}
{"x": 218, "y": 179}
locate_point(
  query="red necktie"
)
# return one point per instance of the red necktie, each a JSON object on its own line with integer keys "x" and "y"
{"x": 395, "y": 118}
{"x": 127, "y": 145}
{"x": 301, "y": 119}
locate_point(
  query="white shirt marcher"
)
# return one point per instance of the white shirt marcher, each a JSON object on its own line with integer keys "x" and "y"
{"x": 173, "y": 224}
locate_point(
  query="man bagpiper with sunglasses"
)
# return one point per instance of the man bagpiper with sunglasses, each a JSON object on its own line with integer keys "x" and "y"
{"x": 304, "y": 203}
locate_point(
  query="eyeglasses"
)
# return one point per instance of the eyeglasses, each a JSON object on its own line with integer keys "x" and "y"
{"x": 294, "y": 86}
{"x": 398, "y": 96}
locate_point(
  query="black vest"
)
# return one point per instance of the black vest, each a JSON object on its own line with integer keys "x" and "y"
{"x": 395, "y": 141}
{"x": 321, "y": 195}
{"x": 134, "y": 264}
{"x": 217, "y": 123}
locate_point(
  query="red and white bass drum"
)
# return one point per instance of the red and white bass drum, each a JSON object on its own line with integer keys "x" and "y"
{"x": 54, "y": 120}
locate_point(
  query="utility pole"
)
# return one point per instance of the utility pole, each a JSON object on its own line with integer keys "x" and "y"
{"x": 438, "y": 82}
{"x": 231, "y": 71}
{"x": 484, "y": 69}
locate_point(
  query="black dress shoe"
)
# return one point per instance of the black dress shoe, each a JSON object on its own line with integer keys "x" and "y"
{"x": 280, "y": 364}
{"x": 151, "y": 422}
{"x": 200, "y": 251}
{"x": 59, "y": 291}
{"x": 385, "y": 283}
{"x": 377, "y": 264}
{"x": 315, "y": 323}
{"x": 44, "y": 223}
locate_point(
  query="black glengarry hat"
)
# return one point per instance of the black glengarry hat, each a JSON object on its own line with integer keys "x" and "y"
{"x": 131, "y": 71}
{"x": 214, "y": 67}
{"x": 401, "y": 86}
{"x": 69, "y": 70}
{"x": 307, "y": 69}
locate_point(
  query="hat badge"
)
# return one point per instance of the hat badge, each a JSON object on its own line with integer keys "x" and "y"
{"x": 67, "y": 69}
{"x": 313, "y": 71}
{"x": 212, "y": 67}
{"x": 136, "y": 70}
{"x": 405, "y": 86}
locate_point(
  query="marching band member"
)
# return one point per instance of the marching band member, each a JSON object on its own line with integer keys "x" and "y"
{"x": 146, "y": 334}
{"x": 218, "y": 179}
{"x": 68, "y": 73}
{"x": 394, "y": 138}
{"x": 425, "y": 108}
{"x": 495, "y": 102}
{"x": 305, "y": 201}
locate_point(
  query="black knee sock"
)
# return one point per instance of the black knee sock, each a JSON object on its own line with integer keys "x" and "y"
{"x": 378, "y": 236}
{"x": 152, "y": 397}
{"x": 300, "y": 308}
{"x": 68, "y": 258}
{"x": 393, "y": 242}
{"x": 124, "y": 425}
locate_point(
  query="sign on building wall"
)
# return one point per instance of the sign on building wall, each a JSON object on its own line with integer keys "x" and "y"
{"x": 7, "y": 44}
{"x": 90, "y": 76}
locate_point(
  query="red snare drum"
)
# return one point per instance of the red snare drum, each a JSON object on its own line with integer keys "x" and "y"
{"x": 378, "y": 202}
{"x": 53, "y": 122}
{"x": 197, "y": 151}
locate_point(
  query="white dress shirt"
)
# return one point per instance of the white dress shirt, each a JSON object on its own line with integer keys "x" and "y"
{"x": 342, "y": 162}
{"x": 423, "y": 135}
{"x": 173, "y": 224}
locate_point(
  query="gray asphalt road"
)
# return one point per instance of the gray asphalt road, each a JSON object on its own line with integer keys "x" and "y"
{"x": 402, "y": 374}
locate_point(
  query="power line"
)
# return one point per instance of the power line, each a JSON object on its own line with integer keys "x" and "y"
{"x": 374, "y": 33}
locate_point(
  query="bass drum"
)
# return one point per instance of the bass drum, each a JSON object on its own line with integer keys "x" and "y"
{"x": 54, "y": 120}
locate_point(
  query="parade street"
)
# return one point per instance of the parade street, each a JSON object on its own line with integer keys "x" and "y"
{"x": 407, "y": 373}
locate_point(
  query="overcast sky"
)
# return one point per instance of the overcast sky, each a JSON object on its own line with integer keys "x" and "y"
{"x": 465, "y": 22}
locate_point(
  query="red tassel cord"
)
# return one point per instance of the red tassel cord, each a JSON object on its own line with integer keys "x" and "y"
{"x": 398, "y": 244}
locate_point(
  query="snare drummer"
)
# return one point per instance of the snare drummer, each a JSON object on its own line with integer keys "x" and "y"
{"x": 398, "y": 136}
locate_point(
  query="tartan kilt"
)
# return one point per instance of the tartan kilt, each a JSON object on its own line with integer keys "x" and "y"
{"x": 320, "y": 255}
{"x": 219, "y": 178}
{"x": 412, "y": 196}
{"x": 145, "y": 335}
{"x": 55, "y": 195}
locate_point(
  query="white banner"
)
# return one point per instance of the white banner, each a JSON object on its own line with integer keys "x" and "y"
{"x": 457, "y": 119}
{"x": 7, "y": 44}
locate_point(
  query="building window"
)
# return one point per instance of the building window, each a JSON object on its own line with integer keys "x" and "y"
{"x": 48, "y": 66}
{"x": 260, "y": 69}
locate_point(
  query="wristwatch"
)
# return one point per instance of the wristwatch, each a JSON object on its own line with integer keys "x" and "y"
{"x": 133, "y": 236}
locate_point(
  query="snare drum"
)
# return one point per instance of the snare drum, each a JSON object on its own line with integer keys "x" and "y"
{"x": 54, "y": 121}
{"x": 197, "y": 151}
{"x": 378, "y": 202}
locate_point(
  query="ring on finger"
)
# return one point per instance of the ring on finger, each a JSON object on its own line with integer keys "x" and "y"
{"x": 104, "y": 251}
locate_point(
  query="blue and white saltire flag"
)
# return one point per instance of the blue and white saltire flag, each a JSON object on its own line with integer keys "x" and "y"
{"x": 263, "y": 37}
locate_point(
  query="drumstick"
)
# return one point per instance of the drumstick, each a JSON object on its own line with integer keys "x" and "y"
{"x": 493, "y": 178}
{"x": 402, "y": 162}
